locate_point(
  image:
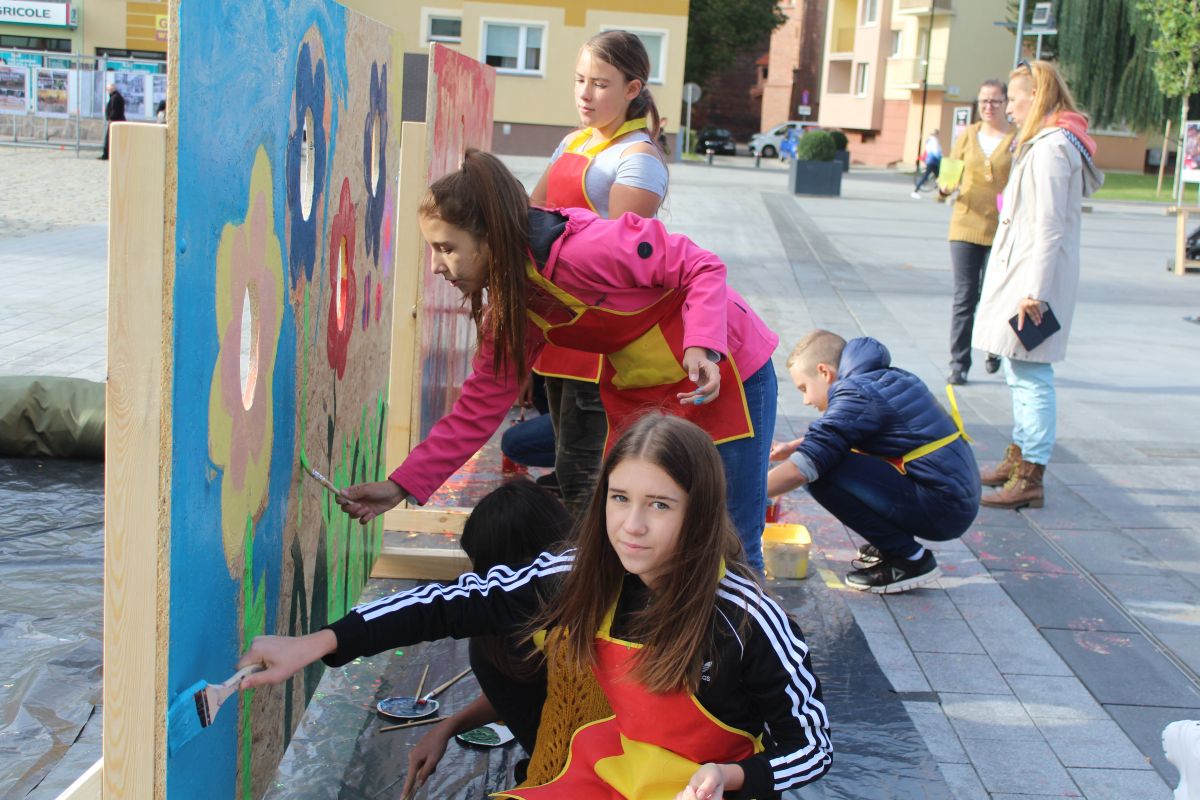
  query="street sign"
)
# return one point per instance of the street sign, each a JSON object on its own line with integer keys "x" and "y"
{"x": 691, "y": 93}
{"x": 804, "y": 111}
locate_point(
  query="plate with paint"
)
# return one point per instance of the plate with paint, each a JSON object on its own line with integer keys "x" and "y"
{"x": 406, "y": 707}
{"x": 494, "y": 734}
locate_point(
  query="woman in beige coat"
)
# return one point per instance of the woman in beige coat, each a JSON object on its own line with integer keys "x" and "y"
{"x": 1034, "y": 266}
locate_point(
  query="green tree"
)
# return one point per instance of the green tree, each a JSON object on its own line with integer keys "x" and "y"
{"x": 1106, "y": 50}
{"x": 720, "y": 30}
{"x": 1176, "y": 43}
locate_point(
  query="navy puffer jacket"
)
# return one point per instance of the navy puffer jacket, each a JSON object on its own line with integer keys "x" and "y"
{"x": 886, "y": 411}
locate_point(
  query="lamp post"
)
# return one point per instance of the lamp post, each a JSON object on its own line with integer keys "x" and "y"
{"x": 925, "y": 85}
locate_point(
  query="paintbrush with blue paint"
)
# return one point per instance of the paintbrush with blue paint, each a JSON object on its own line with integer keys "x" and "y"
{"x": 196, "y": 707}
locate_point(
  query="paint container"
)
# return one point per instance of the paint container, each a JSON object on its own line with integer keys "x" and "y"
{"x": 785, "y": 550}
{"x": 773, "y": 510}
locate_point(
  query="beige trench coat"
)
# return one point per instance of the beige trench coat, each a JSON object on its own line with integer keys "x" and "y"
{"x": 1036, "y": 250}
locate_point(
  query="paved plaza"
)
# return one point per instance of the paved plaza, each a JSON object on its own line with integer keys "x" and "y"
{"x": 1060, "y": 640}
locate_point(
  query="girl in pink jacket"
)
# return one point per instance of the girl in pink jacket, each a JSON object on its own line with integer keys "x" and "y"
{"x": 673, "y": 334}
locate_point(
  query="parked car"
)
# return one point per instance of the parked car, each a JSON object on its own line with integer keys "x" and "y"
{"x": 767, "y": 143}
{"x": 719, "y": 139}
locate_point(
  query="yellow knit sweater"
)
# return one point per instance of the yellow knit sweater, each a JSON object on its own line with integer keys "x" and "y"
{"x": 573, "y": 699}
{"x": 975, "y": 213}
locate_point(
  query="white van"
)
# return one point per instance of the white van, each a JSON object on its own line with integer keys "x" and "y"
{"x": 767, "y": 143}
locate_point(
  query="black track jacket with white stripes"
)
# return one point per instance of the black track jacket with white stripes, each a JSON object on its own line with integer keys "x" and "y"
{"x": 759, "y": 680}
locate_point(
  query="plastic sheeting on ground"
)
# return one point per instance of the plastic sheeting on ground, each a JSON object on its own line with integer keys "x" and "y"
{"x": 45, "y": 416}
{"x": 51, "y": 616}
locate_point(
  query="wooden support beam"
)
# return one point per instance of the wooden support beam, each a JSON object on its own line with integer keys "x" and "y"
{"x": 136, "y": 493}
{"x": 421, "y": 563}
{"x": 426, "y": 520}
{"x": 1182, "y": 262}
{"x": 87, "y": 786}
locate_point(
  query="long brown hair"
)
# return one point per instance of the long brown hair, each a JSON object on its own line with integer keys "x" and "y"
{"x": 676, "y": 628}
{"x": 1050, "y": 96}
{"x": 626, "y": 52}
{"x": 488, "y": 202}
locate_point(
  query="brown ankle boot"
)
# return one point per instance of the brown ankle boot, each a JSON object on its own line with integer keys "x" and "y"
{"x": 1023, "y": 489}
{"x": 999, "y": 474}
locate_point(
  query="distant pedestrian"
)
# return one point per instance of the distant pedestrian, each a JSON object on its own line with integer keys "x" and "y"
{"x": 932, "y": 159}
{"x": 160, "y": 111}
{"x": 1033, "y": 270}
{"x": 984, "y": 149}
{"x": 114, "y": 111}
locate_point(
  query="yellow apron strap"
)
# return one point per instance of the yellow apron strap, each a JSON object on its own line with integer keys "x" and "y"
{"x": 630, "y": 125}
{"x": 954, "y": 415}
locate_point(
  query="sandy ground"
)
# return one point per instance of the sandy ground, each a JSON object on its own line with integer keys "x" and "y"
{"x": 45, "y": 190}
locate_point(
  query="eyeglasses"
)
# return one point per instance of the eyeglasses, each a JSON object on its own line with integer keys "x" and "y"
{"x": 991, "y": 102}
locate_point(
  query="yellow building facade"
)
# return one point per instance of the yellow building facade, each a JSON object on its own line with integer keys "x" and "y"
{"x": 534, "y": 45}
{"x": 116, "y": 28}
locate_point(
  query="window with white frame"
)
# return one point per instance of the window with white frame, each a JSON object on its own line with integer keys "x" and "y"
{"x": 443, "y": 28}
{"x": 860, "y": 79}
{"x": 513, "y": 47}
{"x": 655, "y": 43}
{"x": 870, "y": 12}
{"x": 897, "y": 39}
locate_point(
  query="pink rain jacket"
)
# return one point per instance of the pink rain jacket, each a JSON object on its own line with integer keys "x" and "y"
{"x": 622, "y": 264}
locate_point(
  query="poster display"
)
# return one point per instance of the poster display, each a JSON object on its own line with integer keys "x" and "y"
{"x": 132, "y": 86}
{"x": 55, "y": 92}
{"x": 1191, "y": 152}
{"x": 158, "y": 92}
{"x": 14, "y": 90}
{"x": 962, "y": 118}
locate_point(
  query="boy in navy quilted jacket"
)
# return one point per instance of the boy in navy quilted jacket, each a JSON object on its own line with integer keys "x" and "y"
{"x": 884, "y": 458}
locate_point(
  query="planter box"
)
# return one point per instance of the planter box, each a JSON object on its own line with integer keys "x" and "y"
{"x": 843, "y": 156}
{"x": 815, "y": 177}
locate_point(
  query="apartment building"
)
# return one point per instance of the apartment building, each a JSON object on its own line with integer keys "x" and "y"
{"x": 894, "y": 70}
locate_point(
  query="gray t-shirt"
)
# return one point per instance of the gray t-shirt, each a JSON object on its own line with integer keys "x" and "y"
{"x": 640, "y": 170}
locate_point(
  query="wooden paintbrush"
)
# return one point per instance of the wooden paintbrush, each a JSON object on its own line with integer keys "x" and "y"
{"x": 319, "y": 478}
{"x": 414, "y": 723}
{"x": 196, "y": 707}
{"x": 434, "y": 693}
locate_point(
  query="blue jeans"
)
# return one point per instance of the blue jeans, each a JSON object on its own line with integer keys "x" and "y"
{"x": 870, "y": 497}
{"x": 530, "y": 443}
{"x": 1033, "y": 404}
{"x": 746, "y": 462}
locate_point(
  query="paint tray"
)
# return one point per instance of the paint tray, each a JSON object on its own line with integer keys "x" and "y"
{"x": 785, "y": 550}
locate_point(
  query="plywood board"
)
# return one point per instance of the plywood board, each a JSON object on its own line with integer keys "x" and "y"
{"x": 458, "y": 115}
{"x": 281, "y": 271}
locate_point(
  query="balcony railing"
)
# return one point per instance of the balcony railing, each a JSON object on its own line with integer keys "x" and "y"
{"x": 911, "y": 71}
{"x": 909, "y": 6}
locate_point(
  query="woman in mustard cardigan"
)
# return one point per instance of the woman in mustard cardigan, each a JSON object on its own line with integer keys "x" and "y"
{"x": 984, "y": 149}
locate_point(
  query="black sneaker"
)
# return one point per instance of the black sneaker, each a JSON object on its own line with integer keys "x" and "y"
{"x": 956, "y": 377}
{"x": 868, "y": 556}
{"x": 891, "y": 576}
{"x": 992, "y": 364}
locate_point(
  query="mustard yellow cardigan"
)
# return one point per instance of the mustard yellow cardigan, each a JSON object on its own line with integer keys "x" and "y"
{"x": 975, "y": 213}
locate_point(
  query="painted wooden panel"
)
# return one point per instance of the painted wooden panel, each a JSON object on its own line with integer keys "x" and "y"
{"x": 281, "y": 180}
{"x": 461, "y": 95}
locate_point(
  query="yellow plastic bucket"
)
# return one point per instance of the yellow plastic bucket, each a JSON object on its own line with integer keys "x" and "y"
{"x": 785, "y": 550}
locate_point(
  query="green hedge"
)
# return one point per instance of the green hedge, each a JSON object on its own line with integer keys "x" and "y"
{"x": 815, "y": 146}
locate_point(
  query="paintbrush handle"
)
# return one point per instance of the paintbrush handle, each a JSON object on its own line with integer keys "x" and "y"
{"x": 445, "y": 685}
{"x": 236, "y": 679}
{"x": 413, "y": 724}
{"x": 421, "y": 684}
{"x": 328, "y": 484}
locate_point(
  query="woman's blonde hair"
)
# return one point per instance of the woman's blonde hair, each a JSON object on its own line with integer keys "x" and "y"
{"x": 1050, "y": 96}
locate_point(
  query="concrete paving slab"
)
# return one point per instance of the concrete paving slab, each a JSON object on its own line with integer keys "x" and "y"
{"x": 1014, "y": 550}
{"x": 1056, "y": 697}
{"x": 937, "y": 732}
{"x": 987, "y": 716}
{"x": 1027, "y": 766}
{"x": 1164, "y": 603}
{"x": 1091, "y": 743}
{"x": 957, "y": 672}
{"x": 1123, "y": 668}
{"x": 1062, "y": 601}
{"x": 1144, "y": 726}
{"x": 1108, "y": 551}
{"x": 939, "y": 636}
{"x": 1118, "y": 784}
{"x": 963, "y": 781}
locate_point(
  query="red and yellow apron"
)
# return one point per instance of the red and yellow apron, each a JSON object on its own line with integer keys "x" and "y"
{"x": 566, "y": 187}
{"x": 901, "y": 462}
{"x": 643, "y": 359}
{"x": 651, "y": 746}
